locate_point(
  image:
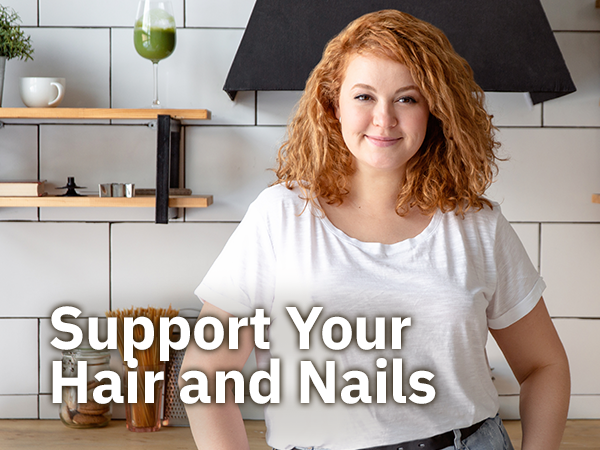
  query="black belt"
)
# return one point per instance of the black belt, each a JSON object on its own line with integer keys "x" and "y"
{"x": 433, "y": 443}
{"x": 437, "y": 442}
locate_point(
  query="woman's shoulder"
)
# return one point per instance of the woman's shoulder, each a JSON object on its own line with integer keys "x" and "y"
{"x": 488, "y": 216}
{"x": 490, "y": 210}
{"x": 279, "y": 197}
{"x": 278, "y": 193}
{"x": 478, "y": 228}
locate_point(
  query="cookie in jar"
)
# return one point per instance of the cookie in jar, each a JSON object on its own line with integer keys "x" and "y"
{"x": 77, "y": 413}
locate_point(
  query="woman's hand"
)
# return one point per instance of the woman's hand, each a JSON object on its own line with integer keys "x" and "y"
{"x": 538, "y": 360}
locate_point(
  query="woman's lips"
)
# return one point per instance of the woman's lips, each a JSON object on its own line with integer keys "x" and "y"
{"x": 382, "y": 141}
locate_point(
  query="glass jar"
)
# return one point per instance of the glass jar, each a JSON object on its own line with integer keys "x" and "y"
{"x": 89, "y": 414}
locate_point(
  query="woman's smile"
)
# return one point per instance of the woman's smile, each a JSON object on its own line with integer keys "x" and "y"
{"x": 382, "y": 141}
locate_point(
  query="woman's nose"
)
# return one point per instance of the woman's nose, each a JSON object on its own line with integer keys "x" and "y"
{"x": 384, "y": 116}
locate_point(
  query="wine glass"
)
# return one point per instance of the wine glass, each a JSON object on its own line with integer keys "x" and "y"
{"x": 154, "y": 35}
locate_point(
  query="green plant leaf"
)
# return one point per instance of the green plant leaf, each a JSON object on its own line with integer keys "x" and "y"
{"x": 14, "y": 43}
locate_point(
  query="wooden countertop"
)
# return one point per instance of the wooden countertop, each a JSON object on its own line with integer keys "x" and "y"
{"x": 53, "y": 435}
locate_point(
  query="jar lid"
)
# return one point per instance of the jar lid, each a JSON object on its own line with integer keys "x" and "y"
{"x": 86, "y": 353}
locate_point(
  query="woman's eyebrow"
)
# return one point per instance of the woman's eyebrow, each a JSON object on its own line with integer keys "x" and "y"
{"x": 410, "y": 87}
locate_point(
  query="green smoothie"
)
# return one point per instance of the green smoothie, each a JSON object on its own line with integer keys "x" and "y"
{"x": 154, "y": 43}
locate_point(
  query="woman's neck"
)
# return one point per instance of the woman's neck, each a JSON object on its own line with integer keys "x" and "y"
{"x": 375, "y": 191}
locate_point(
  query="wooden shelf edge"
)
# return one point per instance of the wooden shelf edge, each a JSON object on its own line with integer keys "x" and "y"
{"x": 595, "y": 198}
{"x": 181, "y": 201}
{"x": 102, "y": 113}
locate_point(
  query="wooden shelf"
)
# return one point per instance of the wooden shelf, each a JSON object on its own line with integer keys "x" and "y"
{"x": 102, "y": 113}
{"x": 169, "y": 160}
{"x": 182, "y": 201}
{"x": 596, "y": 198}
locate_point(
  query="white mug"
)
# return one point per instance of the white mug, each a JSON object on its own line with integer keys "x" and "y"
{"x": 42, "y": 92}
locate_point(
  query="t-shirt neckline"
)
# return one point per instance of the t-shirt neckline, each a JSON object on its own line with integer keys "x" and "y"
{"x": 377, "y": 246}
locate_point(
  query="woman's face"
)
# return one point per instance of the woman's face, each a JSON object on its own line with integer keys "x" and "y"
{"x": 382, "y": 113}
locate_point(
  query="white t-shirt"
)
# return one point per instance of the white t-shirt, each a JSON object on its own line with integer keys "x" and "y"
{"x": 454, "y": 280}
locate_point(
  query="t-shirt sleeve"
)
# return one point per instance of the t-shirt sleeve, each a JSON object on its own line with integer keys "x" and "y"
{"x": 242, "y": 277}
{"x": 519, "y": 286}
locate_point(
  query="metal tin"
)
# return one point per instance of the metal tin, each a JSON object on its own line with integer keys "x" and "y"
{"x": 118, "y": 190}
{"x": 105, "y": 190}
{"x": 129, "y": 190}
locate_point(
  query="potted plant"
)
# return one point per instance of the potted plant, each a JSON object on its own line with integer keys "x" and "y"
{"x": 13, "y": 41}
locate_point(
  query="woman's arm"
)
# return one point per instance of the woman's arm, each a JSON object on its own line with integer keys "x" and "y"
{"x": 538, "y": 360}
{"x": 217, "y": 426}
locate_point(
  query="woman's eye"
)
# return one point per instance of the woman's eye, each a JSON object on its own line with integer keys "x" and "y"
{"x": 406, "y": 100}
{"x": 363, "y": 97}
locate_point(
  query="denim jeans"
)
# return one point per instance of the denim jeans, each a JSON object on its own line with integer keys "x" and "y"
{"x": 490, "y": 436}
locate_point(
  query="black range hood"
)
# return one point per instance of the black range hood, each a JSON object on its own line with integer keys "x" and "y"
{"x": 508, "y": 43}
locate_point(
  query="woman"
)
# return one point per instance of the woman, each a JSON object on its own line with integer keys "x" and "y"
{"x": 378, "y": 211}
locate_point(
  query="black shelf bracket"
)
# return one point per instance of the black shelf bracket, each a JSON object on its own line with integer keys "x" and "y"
{"x": 168, "y": 163}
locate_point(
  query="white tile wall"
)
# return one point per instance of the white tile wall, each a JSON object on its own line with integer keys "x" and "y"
{"x": 18, "y": 214}
{"x": 80, "y": 55}
{"x": 18, "y": 406}
{"x": 550, "y": 176}
{"x": 96, "y": 13}
{"x": 47, "y": 265}
{"x": 584, "y": 407}
{"x": 276, "y": 107}
{"x": 570, "y": 265}
{"x": 26, "y": 9}
{"x": 18, "y": 161}
{"x": 95, "y": 258}
{"x": 47, "y": 409}
{"x": 162, "y": 265}
{"x": 95, "y": 154}
{"x": 20, "y": 372}
{"x": 192, "y": 77}
{"x": 18, "y": 153}
{"x": 218, "y": 13}
{"x": 582, "y": 107}
{"x": 513, "y": 109}
{"x": 572, "y": 14}
{"x": 232, "y": 164}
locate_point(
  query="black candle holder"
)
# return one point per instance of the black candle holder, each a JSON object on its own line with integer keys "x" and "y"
{"x": 70, "y": 187}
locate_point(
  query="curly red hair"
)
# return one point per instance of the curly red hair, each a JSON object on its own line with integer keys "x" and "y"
{"x": 457, "y": 161}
